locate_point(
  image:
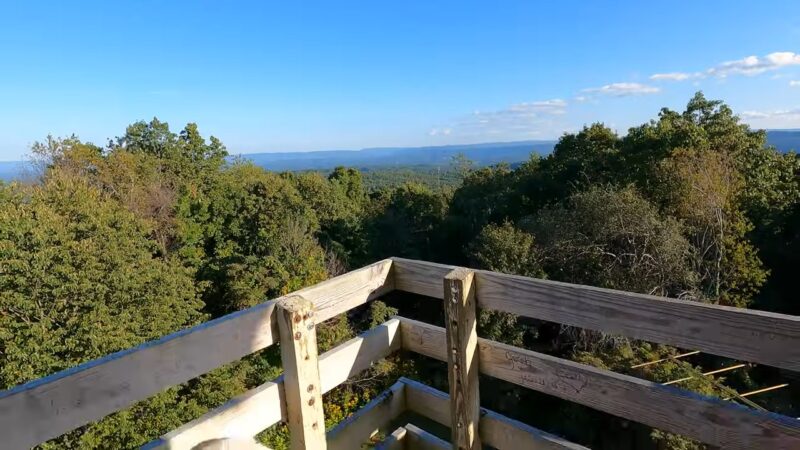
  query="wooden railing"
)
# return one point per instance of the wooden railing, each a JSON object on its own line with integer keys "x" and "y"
{"x": 43, "y": 409}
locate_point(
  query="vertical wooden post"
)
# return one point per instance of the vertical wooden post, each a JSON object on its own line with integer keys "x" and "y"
{"x": 462, "y": 358}
{"x": 298, "y": 340}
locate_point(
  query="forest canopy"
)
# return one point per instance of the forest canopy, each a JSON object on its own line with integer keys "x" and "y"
{"x": 159, "y": 230}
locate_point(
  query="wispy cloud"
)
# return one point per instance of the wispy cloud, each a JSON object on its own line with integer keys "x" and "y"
{"x": 554, "y": 106}
{"x": 753, "y": 65}
{"x": 794, "y": 113}
{"x": 778, "y": 118}
{"x": 675, "y": 76}
{"x": 748, "y": 66}
{"x": 623, "y": 89}
{"x": 794, "y": 83}
{"x": 526, "y": 119}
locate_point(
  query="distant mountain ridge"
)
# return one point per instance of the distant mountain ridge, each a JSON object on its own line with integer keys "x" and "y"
{"x": 373, "y": 158}
{"x": 481, "y": 154}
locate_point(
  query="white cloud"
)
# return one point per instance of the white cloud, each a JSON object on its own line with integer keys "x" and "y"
{"x": 754, "y": 115}
{"x": 624, "y": 89}
{"x": 794, "y": 83}
{"x": 748, "y": 66}
{"x": 753, "y": 65}
{"x": 778, "y": 113}
{"x": 779, "y": 118}
{"x": 520, "y": 120}
{"x": 554, "y": 106}
{"x": 673, "y": 76}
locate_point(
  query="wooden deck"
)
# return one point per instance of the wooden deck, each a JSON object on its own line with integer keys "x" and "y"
{"x": 43, "y": 409}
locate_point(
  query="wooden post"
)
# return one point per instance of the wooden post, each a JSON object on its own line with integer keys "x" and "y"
{"x": 298, "y": 340}
{"x": 462, "y": 358}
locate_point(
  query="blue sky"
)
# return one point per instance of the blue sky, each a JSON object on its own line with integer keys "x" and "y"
{"x": 285, "y": 76}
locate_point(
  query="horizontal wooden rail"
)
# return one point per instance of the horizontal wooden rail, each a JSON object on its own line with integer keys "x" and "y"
{"x": 748, "y": 335}
{"x": 35, "y": 412}
{"x": 706, "y": 419}
{"x": 263, "y": 406}
{"x": 496, "y": 430}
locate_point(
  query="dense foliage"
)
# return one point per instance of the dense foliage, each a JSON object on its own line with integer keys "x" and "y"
{"x": 158, "y": 231}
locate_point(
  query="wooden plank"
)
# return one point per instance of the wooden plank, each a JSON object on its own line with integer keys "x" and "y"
{"x": 303, "y": 390}
{"x": 419, "y": 277}
{"x": 49, "y": 407}
{"x": 356, "y": 355}
{"x": 258, "y": 409}
{"x": 395, "y": 441}
{"x": 497, "y": 431}
{"x": 748, "y": 335}
{"x": 343, "y": 293}
{"x": 419, "y": 439}
{"x": 709, "y": 420}
{"x": 462, "y": 358}
{"x": 357, "y": 429}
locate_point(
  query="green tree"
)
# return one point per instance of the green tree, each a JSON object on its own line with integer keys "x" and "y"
{"x": 186, "y": 155}
{"x": 487, "y": 195}
{"x": 504, "y": 248}
{"x": 406, "y": 221}
{"x": 338, "y": 203}
{"x": 579, "y": 160}
{"x": 254, "y": 235}
{"x": 80, "y": 279}
{"x": 614, "y": 238}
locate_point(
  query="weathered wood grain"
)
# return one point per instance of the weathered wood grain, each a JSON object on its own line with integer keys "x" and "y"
{"x": 706, "y": 419}
{"x": 376, "y": 415}
{"x": 343, "y": 293}
{"x": 496, "y": 430}
{"x": 49, "y": 407}
{"x": 302, "y": 388}
{"x": 259, "y": 408}
{"x": 462, "y": 358}
{"x": 748, "y": 335}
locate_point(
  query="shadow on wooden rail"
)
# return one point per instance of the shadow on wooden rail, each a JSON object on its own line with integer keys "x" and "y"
{"x": 43, "y": 409}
